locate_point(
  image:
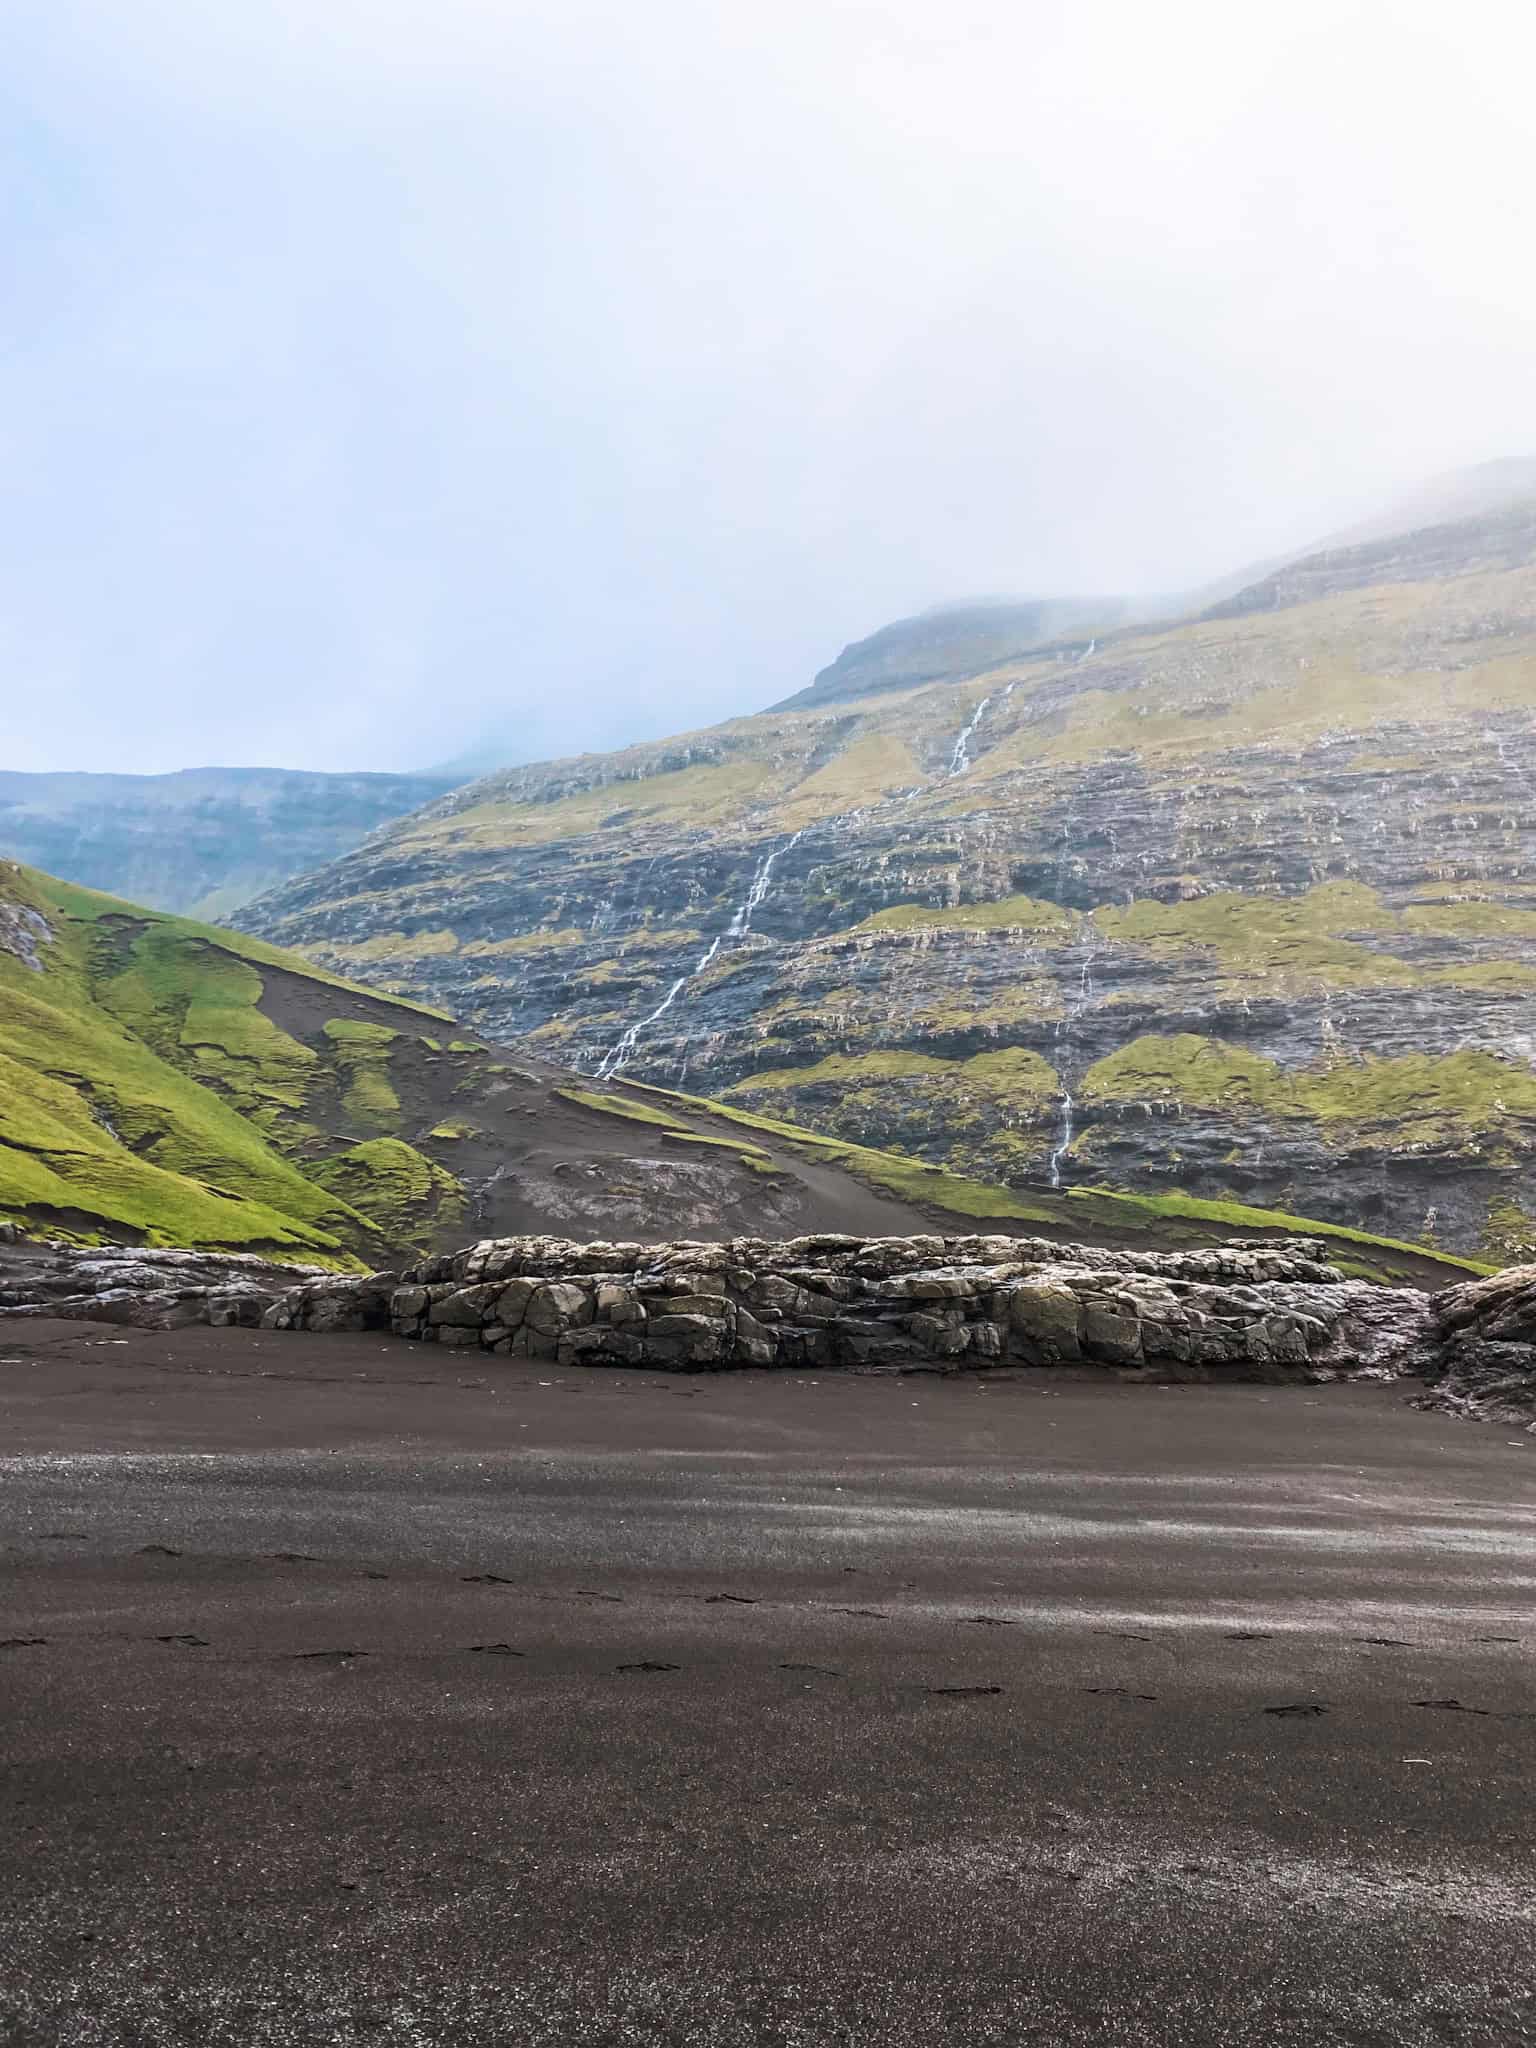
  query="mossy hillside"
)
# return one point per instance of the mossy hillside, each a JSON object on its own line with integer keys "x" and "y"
{"x": 62, "y": 1169}
{"x": 362, "y": 1056}
{"x": 1092, "y": 1214}
{"x": 96, "y": 1124}
{"x": 411, "y": 1198}
{"x": 1336, "y": 665}
{"x": 94, "y": 908}
{"x": 1264, "y": 826}
{"x": 150, "y": 1095}
{"x": 1301, "y": 939}
{"x": 1417, "y": 1100}
{"x": 697, "y": 797}
{"x": 989, "y": 1116}
{"x": 876, "y": 765}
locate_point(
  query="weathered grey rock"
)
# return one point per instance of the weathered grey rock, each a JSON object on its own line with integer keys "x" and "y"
{"x": 1106, "y": 1335}
{"x": 1048, "y": 1316}
{"x": 1478, "y": 1352}
{"x": 557, "y": 1306}
{"x": 1275, "y": 1311}
{"x": 468, "y": 1306}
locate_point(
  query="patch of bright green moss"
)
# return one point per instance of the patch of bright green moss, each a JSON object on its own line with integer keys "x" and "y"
{"x": 93, "y": 1121}
{"x": 618, "y": 1105}
{"x": 363, "y": 1054}
{"x": 1421, "y": 1098}
{"x": 410, "y": 1197}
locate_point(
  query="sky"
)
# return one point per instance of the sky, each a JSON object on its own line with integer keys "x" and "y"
{"x": 378, "y": 380}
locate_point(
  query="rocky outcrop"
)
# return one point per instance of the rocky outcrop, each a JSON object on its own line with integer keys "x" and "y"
{"x": 905, "y": 1304}
{"x": 143, "y": 1290}
{"x": 1274, "y": 1312}
{"x": 1479, "y": 1350}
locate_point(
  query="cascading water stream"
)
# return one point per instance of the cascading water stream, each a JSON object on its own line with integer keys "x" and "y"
{"x": 1067, "y": 1129}
{"x": 623, "y": 1051}
{"x": 960, "y": 759}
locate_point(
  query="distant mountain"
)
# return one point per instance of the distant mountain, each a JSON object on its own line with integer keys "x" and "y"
{"x": 165, "y": 1083}
{"x": 204, "y": 840}
{"x": 1238, "y": 906}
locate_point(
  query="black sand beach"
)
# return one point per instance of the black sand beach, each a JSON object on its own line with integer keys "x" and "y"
{"x": 356, "y": 1693}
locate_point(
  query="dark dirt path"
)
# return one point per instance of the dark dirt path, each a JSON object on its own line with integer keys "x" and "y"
{"x": 356, "y": 1695}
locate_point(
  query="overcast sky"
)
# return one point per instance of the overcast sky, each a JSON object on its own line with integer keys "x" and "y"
{"x": 379, "y": 374}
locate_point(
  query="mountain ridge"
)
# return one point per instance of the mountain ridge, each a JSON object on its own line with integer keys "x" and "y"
{"x": 1240, "y": 904}
{"x": 197, "y": 840}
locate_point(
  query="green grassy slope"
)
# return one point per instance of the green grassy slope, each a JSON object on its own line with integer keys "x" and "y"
{"x": 143, "y": 1094}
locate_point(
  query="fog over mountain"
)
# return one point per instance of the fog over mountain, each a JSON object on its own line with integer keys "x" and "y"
{"x": 568, "y": 377}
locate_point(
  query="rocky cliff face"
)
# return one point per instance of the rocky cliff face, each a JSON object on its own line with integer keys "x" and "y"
{"x": 203, "y": 841}
{"x": 1243, "y": 907}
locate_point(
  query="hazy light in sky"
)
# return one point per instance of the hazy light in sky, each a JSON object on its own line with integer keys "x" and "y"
{"x": 378, "y": 374}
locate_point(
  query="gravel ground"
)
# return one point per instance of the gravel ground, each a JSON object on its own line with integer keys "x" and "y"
{"x": 355, "y": 1694}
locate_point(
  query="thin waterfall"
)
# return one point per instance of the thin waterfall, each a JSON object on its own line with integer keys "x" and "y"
{"x": 1067, "y": 1129}
{"x": 623, "y": 1051}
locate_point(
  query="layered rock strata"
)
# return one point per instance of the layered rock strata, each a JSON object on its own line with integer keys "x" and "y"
{"x": 892, "y": 1305}
{"x": 873, "y": 1305}
{"x": 142, "y": 1290}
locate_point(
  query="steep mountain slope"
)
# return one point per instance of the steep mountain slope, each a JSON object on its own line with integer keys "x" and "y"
{"x": 1244, "y": 906}
{"x": 202, "y": 841}
{"x": 164, "y": 1083}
